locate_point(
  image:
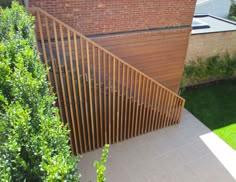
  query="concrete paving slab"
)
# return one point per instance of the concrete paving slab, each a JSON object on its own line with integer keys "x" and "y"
{"x": 175, "y": 154}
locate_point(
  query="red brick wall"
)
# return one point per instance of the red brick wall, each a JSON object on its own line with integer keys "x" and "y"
{"x": 103, "y": 16}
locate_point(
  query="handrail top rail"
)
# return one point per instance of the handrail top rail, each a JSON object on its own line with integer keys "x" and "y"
{"x": 36, "y": 9}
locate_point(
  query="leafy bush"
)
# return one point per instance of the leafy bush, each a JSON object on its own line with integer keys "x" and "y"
{"x": 216, "y": 67}
{"x": 232, "y": 11}
{"x": 100, "y": 165}
{"x": 33, "y": 142}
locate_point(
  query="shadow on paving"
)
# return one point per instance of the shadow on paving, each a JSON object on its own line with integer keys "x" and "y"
{"x": 173, "y": 154}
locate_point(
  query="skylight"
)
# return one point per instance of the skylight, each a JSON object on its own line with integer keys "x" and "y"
{"x": 198, "y": 24}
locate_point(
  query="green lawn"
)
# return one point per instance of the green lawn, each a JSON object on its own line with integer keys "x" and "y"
{"x": 215, "y": 106}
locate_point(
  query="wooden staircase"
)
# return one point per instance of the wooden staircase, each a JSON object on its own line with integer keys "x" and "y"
{"x": 102, "y": 98}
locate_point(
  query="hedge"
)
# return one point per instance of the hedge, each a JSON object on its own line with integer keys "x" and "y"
{"x": 33, "y": 141}
{"x": 214, "y": 67}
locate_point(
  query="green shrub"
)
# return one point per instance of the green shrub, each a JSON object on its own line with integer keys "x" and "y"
{"x": 216, "y": 67}
{"x": 232, "y": 11}
{"x": 33, "y": 142}
{"x": 100, "y": 165}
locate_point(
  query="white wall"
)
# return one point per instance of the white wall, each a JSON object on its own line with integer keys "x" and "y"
{"x": 215, "y": 7}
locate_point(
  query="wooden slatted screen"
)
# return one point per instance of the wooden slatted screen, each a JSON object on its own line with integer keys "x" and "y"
{"x": 102, "y": 98}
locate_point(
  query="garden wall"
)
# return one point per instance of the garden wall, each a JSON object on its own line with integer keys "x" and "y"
{"x": 211, "y": 44}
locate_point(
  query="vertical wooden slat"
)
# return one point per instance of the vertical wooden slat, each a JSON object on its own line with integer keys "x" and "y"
{"x": 173, "y": 110}
{"x": 95, "y": 97}
{"x": 35, "y": 30}
{"x": 148, "y": 106}
{"x": 145, "y": 106}
{"x": 90, "y": 94}
{"x": 126, "y": 103}
{"x": 167, "y": 103}
{"x": 105, "y": 107}
{"x": 113, "y": 102}
{"x": 141, "y": 108}
{"x": 85, "y": 93}
{"x": 100, "y": 98}
{"x": 68, "y": 88}
{"x": 118, "y": 104}
{"x": 109, "y": 99}
{"x": 62, "y": 84}
{"x": 80, "y": 92}
{"x": 138, "y": 105}
{"x": 155, "y": 112}
{"x": 53, "y": 67}
{"x": 180, "y": 113}
{"x": 74, "y": 94}
{"x": 176, "y": 110}
{"x": 36, "y": 41}
{"x": 169, "y": 113}
{"x": 182, "y": 110}
{"x": 122, "y": 102}
{"x": 159, "y": 109}
{"x": 152, "y": 107}
{"x": 130, "y": 102}
{"x": 133, "y": 114}
{"x": 43, "y": 48}
{"x": 163, "y": 106}
{"x": 168, "y": 110}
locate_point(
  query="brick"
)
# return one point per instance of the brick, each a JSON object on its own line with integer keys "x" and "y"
{"x": 211, "y": 44}
{"x": 99, "y": 17}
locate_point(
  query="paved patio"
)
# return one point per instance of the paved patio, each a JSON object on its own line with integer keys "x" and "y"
{"x": 186, "y": 152}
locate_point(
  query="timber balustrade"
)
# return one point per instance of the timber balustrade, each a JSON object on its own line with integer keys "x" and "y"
{"x": 101, "y": 98}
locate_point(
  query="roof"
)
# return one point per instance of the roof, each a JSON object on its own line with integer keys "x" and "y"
{"x": 201, "y": 1}
{"x": 211, "y": 24}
